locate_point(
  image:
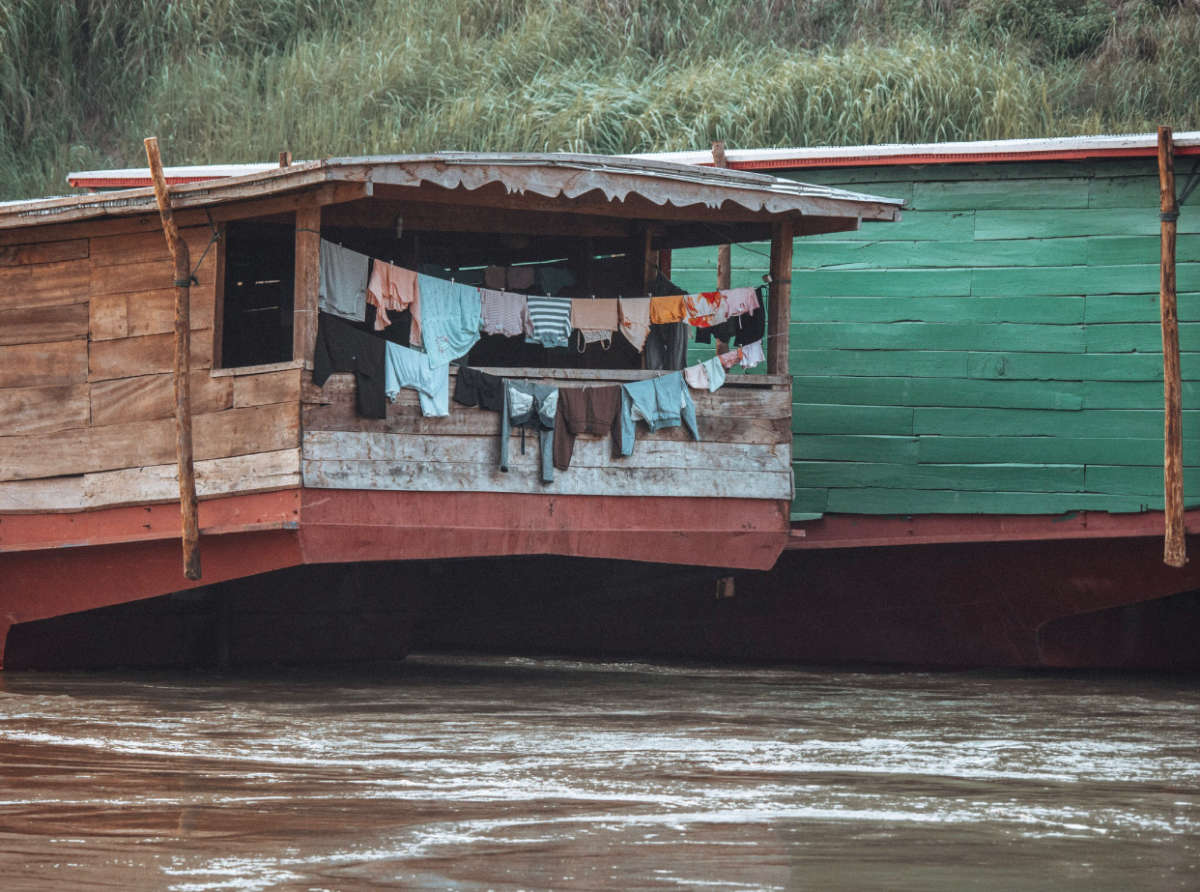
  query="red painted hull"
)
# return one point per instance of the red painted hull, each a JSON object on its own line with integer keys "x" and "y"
{"x": 58, "y": 564}
{"x": 1084, "y": 590}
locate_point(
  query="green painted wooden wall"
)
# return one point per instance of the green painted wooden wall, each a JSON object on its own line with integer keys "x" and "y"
{"x": 996, "y": 351}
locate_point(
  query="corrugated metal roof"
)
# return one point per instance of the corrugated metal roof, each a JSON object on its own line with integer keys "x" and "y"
{"x": 555, "y": 176}
{"x": 1064, "y": 148}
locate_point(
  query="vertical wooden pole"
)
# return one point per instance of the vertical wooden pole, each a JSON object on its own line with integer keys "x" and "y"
{"x": 779, "y": 303}
{"x": 1175, "y": 544}
{"x": 307, "y": 282}
{"x": 649, "y": 261}
{"x": 183, "y": 347}
{"x": 723, "y": 251}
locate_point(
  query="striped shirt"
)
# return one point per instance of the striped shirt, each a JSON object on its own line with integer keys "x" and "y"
{"x": 551, "y": 320}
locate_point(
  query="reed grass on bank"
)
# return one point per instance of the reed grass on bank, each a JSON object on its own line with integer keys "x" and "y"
{"x": 238, "y": 80}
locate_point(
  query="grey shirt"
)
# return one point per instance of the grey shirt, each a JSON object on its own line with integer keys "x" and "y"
{"x": 343, "y": 289}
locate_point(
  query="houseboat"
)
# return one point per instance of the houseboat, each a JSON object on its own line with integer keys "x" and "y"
{"x": 328, "y": 513}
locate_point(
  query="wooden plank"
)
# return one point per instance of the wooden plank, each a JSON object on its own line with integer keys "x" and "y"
{"x": 150, "y": 397}
{"x": 590, "y": 452}
{"x": 914, "y": 363}
{"x": 1005, "y": 477}
{"x": 911, "y": 501}
{"x": 148, "y": 354}
{"x": 1067, "y": 280}
{"x": 921, "y": 226}
{"x": 149, "y": 246}
{"x": 147, "y": 312}
{"x": 1050, "y": 450}
{"x": 1141, "y": 481}
{"x": 886, "y": 283}
{"x": 1133, "y": 394}
{"x": 1050, "y": 193}
{"x": 53, "y": 364}
{"x": 337, "y": 417}
{"x": 34, "y": 325}
{"x": 1066, "y": 367}
{"x": 808, "y": 500}
{"x": 259, "y": 472}
{"x": 808, "y": 418}
{"x": 1132, "y": 250}
{"x": 149, "y": 275}
{"x": 1140, "y": 337}
{"x": 52, "y": 494}
{"x": 270, "y": 387}
{"x": 40, "y": 410}
{"x": 779, "y": 300}
{"x": 967, "y": 392}
{"x": 45, "y": 252}
{"x": 1054, "y": 310}
{"x": 1038, "y": 423}
{"x": 522, "y": 478}
{"x": 143, "y": 443}
{"x": 1073, "y": 222}
{"x": 44, "y": 284}
{"x": 930, "y": 255}
{"x": 1124, "y": 192}
{"x": 1132, "y": 308}
{"x": 854, "y": 448}
{"x": 938, "y": 336}
{"x": 307, "y": 282}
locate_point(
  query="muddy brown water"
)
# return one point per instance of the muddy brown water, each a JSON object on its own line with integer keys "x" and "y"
{"x": 467, "y": 772}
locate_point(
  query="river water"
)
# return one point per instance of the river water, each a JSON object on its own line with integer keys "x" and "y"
{"x": 451, "y": 772}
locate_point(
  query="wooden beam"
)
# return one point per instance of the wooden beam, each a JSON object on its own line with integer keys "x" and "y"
{"x": 183, "y": 336}
{"x": 723, "y": 251}
{"x": 307, "y": 282}
{"x": 1175, "y": 544}
{"x": 779, "y": 302}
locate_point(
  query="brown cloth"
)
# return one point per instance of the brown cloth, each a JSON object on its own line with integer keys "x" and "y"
{"x": 585, "y": 410}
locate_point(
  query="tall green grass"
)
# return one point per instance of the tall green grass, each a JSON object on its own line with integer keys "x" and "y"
{"x": 237, "y": 80}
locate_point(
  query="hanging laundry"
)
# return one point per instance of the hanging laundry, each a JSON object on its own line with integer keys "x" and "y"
{"x": 635, "y": 320}
{"x": 666, "y": 347}
{"x": 450, "y": 317}
{"x": 343, "y": 282}
{"x": 752, "y": 355}
{"x": 504, "y": 313}
{"x": 750, "y": 327}
{"x": 660, "y": 402}
{"x": 585, "y": 410}
{"x": 706, "y": 309}
{"x": 409, "y": 368}
{"x": 741, "y": 300}
{"x": 343, "y": 347}
{"x": 529, "y": 406}
{"x": 668, "y": 309}
{"x": 393, "y": 288}
{"x": 520, "y": 277}
{"x": 551, "y": 319}
{"x": 730, "y": 359}
{"x": 595, "y": 318}
{"x": 708, "y": 375}
{"x": 475, "y": 388}
{"x": 495, "y": 277}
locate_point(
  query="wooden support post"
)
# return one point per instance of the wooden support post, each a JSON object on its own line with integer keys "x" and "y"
{"x": 183, "y": 345}
{"x": 779, "y": 305}
{"x": 285, "y": 159}
{"x": 307, "y": 282}
{"x": 1175, "y": 544}
{"x": 649, "y": 261}
{"x": 723, "y": 251}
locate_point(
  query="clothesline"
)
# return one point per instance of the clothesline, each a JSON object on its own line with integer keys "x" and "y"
{"x": 455, "y": 314}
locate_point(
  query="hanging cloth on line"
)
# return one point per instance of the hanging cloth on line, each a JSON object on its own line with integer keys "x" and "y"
{"x": 450, "y": 314}
{"x": 343, "y": 281}
{"x": 408, "y": 368}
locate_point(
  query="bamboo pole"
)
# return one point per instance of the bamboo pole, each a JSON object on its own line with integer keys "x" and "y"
{"x": 723, "y": 251}
{"x": 183, "y": 346}
{"x": 1175, "y": 544}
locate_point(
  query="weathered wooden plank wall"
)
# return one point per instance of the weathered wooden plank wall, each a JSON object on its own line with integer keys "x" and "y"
{"x": 86, "y": 396}
{"x": 744, "y": 450}
{"x": 996, "y": 351}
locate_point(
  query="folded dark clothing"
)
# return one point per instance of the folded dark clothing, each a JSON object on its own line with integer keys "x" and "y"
{"x": 475, "y": 388}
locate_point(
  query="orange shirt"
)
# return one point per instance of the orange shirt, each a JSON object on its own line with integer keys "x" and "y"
{"x": 667, "y": 309}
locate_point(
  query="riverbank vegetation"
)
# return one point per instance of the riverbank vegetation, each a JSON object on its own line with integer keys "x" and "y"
{"x": 238, "y": 80}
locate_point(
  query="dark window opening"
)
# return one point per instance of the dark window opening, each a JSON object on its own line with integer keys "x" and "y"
{"x": 260, "y": 263}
